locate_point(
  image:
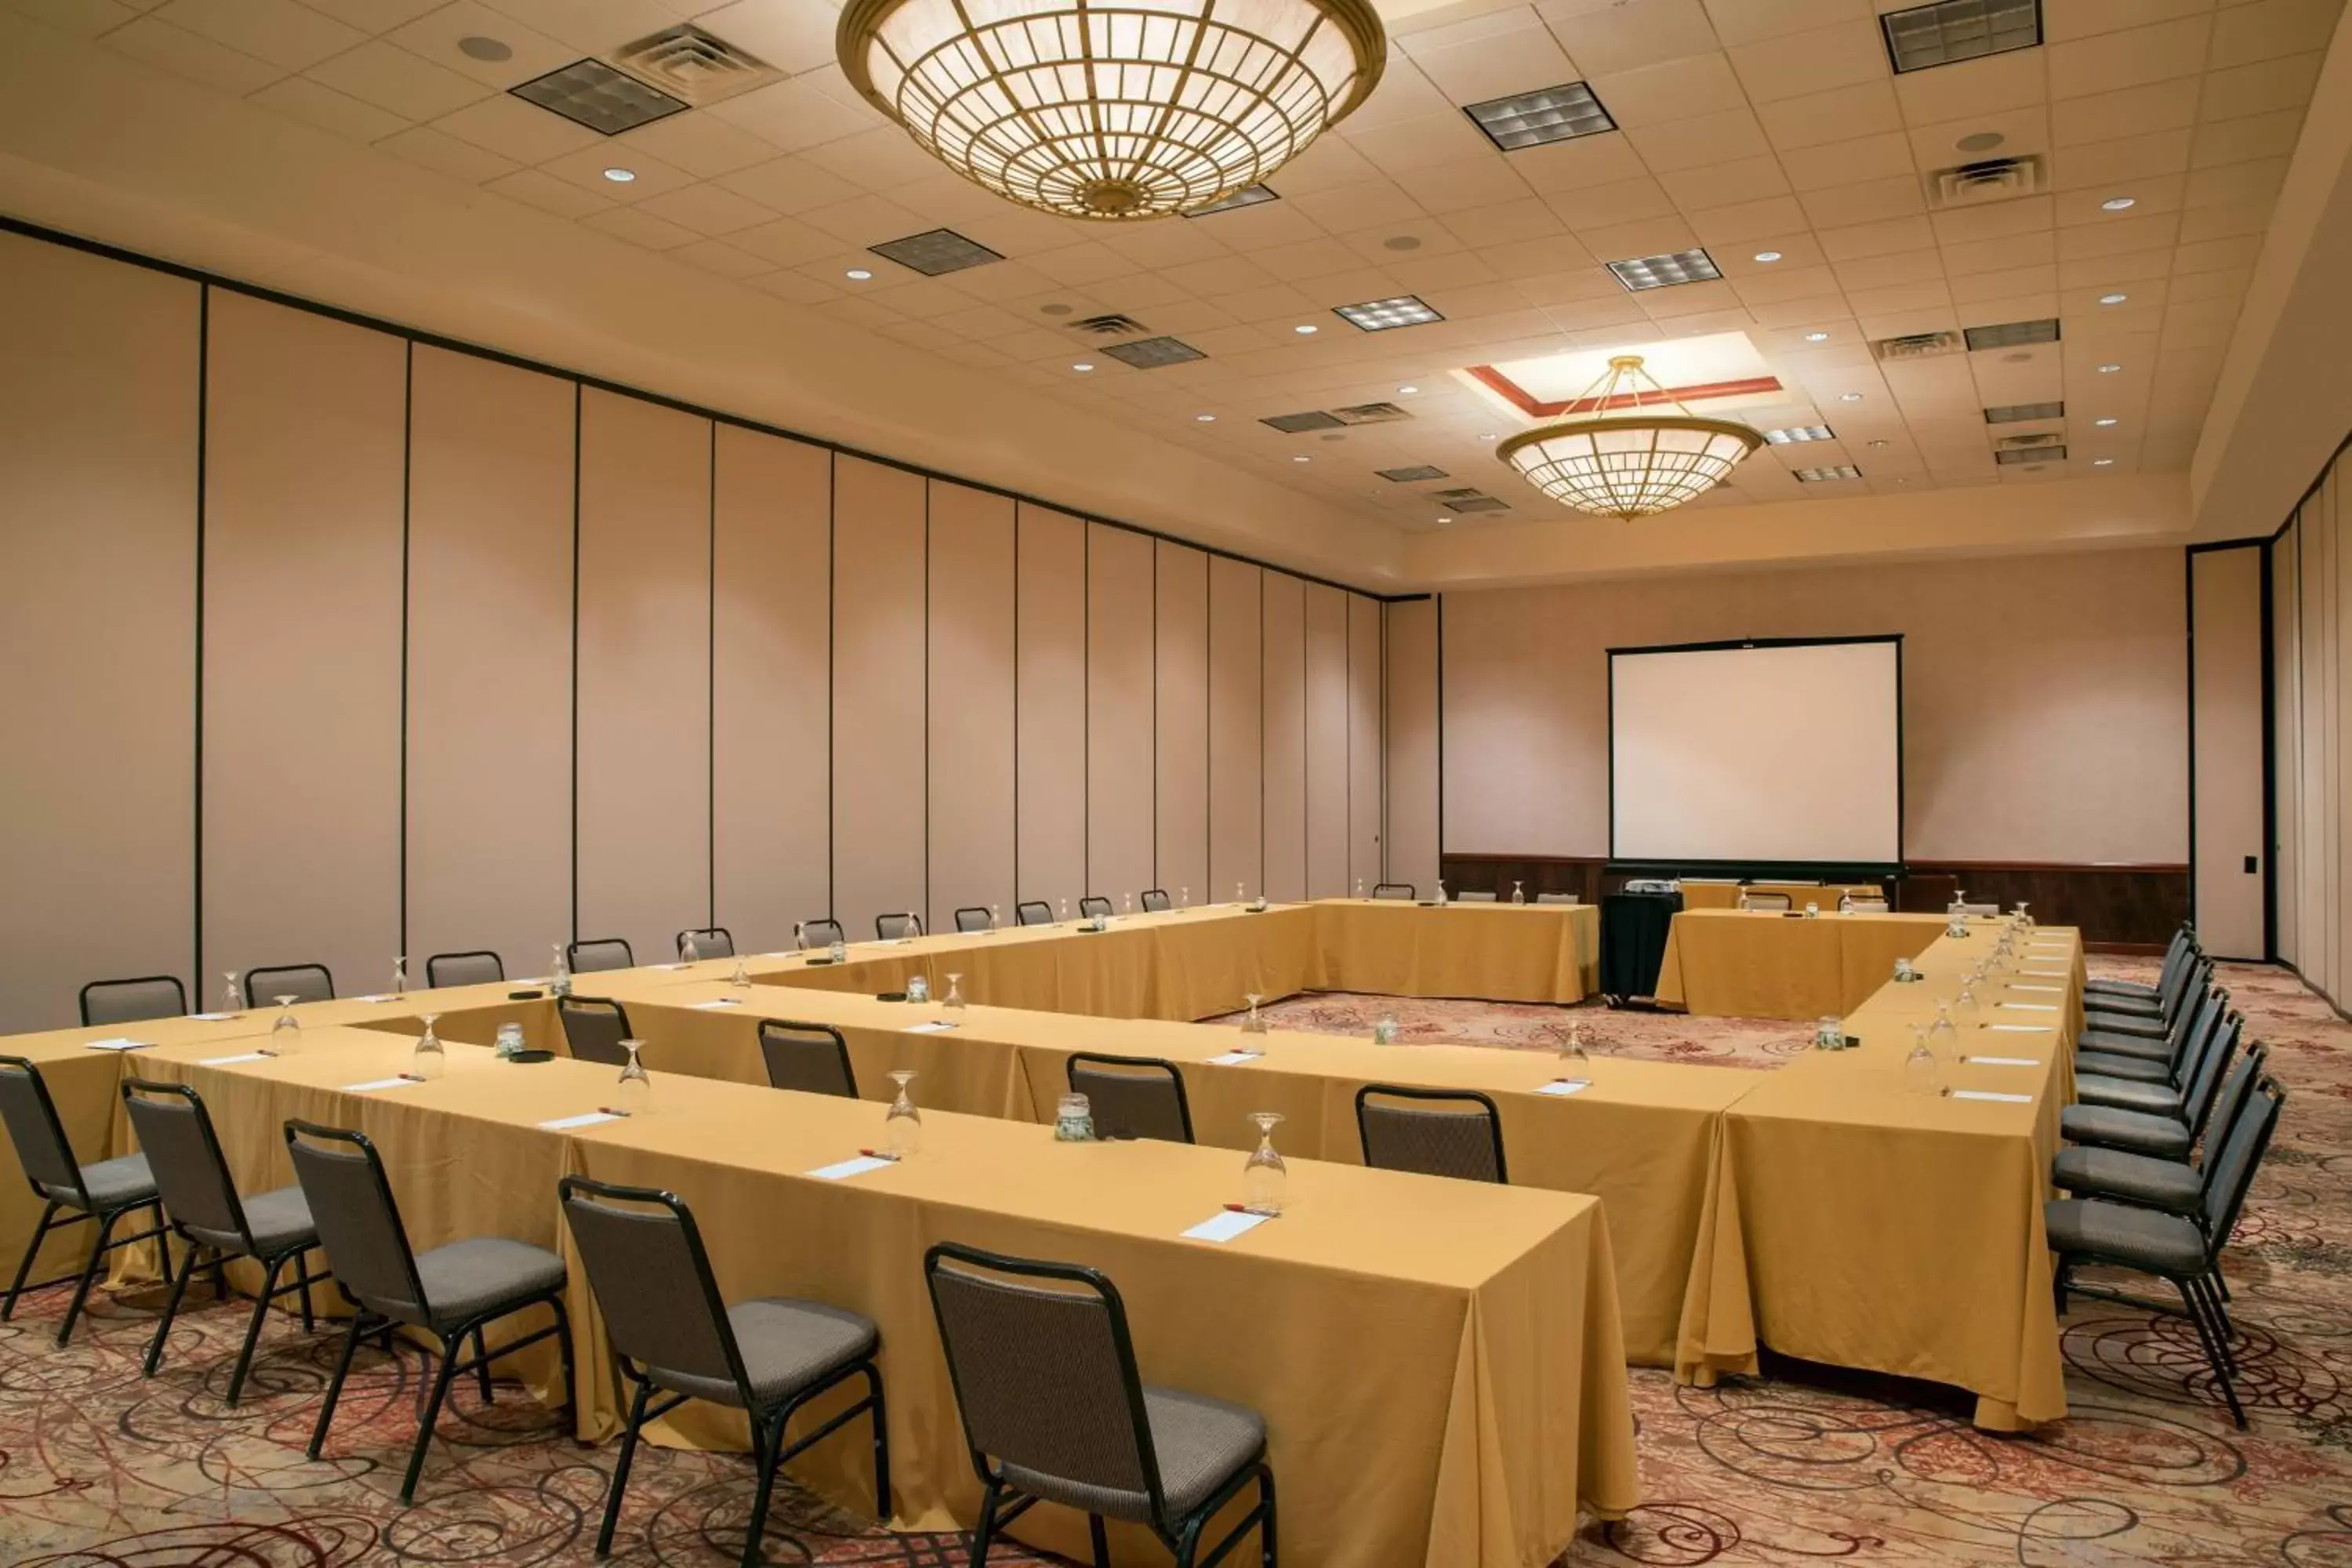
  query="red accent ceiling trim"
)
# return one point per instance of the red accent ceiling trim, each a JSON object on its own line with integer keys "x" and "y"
{"x": 1520, "y": 399}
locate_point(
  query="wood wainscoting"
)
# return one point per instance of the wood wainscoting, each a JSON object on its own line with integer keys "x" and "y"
{"x": 2132, "y": 907}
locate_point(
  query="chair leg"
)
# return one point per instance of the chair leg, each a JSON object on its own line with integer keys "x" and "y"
{"x": 171, "y": 1305}
{"x": 570, "y": 1375}
{"x": 620, "y": 1469}
{"x": 482, "y": 1364}
{"x": 2220, "y": 1320}
{"x": 1266, "y": 1533}
{"x": 767, "y": 1453}
{"x": 303, "y": 1279}
{"x": 441, "y": 1380}
{"x": 89, "y": 1275}
{"x": 253, "y": 1330}
{"x": 335, "y": 1384}
{"x": 984, "y": 1531}
{"x": 1100, "y": 1541}
{"x": 24, "y": 1269}
{"x": 879, "y": 1414}
{"x": 2212, "y": 1351}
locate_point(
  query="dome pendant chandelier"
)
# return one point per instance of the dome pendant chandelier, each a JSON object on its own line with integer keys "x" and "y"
{"x": 1133, "y": 109}
{"x": 1635, "y": 464}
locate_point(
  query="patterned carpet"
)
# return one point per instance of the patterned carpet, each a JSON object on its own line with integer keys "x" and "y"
{"x": 99, "y": 1469}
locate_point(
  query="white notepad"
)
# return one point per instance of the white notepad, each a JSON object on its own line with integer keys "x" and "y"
{"x": 2019, "y": 1028}
{"x": 2016, "y": 985}
{"x": 712, "y": 1006}
{"x": 2045, "y": 973}
{"x": 928, "y": 1026}
{"x": 211, "y": 1017}
{"x": 378, "y": 996}
{"x": 375, "y": 1083}
{"x": 1227, "y": 1225}
{"x": 2030, "y": 1006}
{"x": 1564, "y": 1086}
{"x": 118, "y": 1043}
{"x": 1234, "y": 1058}
{"x": 1992, "y": 1094}
{"x": 2003, "y": 1061}
{"x": 586, "y": 1119}
{"x": 842, "y": 1170}
{"x": 678, "y": 965}
{"x": 232, "y": 1061}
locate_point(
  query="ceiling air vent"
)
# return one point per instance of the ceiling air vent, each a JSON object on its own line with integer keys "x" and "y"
{"x": 1299, "y": 424}
{"x": 1151, "y": 354}
{"x": 2031, "y": 456}
{"x": 687, "y": 62}
{"x": 1988, "y": 180}
{"x": 1110, "y": 326}
{"x": 1409, "y": 476}
{"x": 2012, "y": 334}
{"x": 936, "y": 251}
{"x": 1917, "y": 345}
{"x": 1478, "y": 503}
{"x": 592, "y": 93}
{"x": 2018, "y": 413}
{"x": 1369, "y": 414}
{"x": 2042, "y": 442}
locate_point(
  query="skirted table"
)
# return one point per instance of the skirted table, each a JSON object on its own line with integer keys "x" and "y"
{"x": 1762, "y": 963}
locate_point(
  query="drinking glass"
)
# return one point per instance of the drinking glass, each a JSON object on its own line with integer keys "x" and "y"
{"x": 902, "y": 1128}
{"x": 839, "y": 951}
{"x": 800, "y": 936}
{"x": 559, "y": 975}
{"x": 992, "y": 920}
{"x": 1253, "y": 1021}
{"x": 1384, "y": 1029}
{"x": 1126, "y": 905}
{"x": 1919, "y": 1067}
{"x": 918, "y": 988}
{"x": 1944, "y": 1026}
{"x": 634, "y": 1094}
{"x": 1441, "y": 890}
{"x": 2024, "y": 917}
{"x": 1239, "y": 896}
{"x": 1829, "y": 1033}
{"x": 510, "y": 1039}
{"x": 1064, "y": 918}
{"x": 742, "y": 978}
{"x": 1575, "y": 1061}
{"x": 1263, "y": 1173}
{"x": 1359, "y": 886}
{"x": 954, "y": 998}
{"x": 286, "y": 1034}
{"x": 399, "y": 976}
{"x": 431, "y": 1061}
{"x": 232, "y": 1000}
{"x": 1519, "y": 892}
{"x": 1184, "y": 898}
{"x": 1073, "y": 1120}
{"x": 1812, "y": 909}
{"x": 688, "y": 952}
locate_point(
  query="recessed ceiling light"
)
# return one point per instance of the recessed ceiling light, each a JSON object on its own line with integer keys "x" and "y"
{"x": 1302, "y": 457}
{"x": 1407, "y": 391}
{"x": 2102, "y": 462}
{"x": 2116, "y": 203}
{"x": 1820, "y": 476}
{"x": 1665, "y": 269}
{"x": 1205, "y": 418}
{"x": 1949, "y": 31}
{"x": 1768, "y": 256}
{"x": 1849, "y": 397}
{"x": 1486, "y": 435}
{"x": 620, "y": 176}
{"x": 1306, "y": 330}
{"x": 1879, "y": 443}
{"x": 1443, "y": 521}
{"x": 1548, "y": 114}
{"x": 2113, "y": 298}
{"x": 1082, "y": 365}
{"x": 1797, "y": 433}
{"x": 1817, "y": 337}
{"x": 2103, "y": 423}
{"x": 857, "y": 274}
{"x": 2109, "y": 369}
{"x": 1980, "y": 141}
{"x": 1381, "y": 315}
{"x": 478, "y": 47}
{"x": 1401, "y": 242}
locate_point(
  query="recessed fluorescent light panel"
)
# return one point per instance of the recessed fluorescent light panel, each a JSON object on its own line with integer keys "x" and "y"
{"x": 2031, "y": 455}
{"x": 1950, "y": 31}
{"x": 1407, "y": 476}
{"x": 1381, "y": 315}
{"x": 1559, "y": 113}
{"x": 1799, "y": 433}
{"x": 2014, "y": 334}
{"x": 1247, "y": 196}
{"x": 2018, "y": 413}
{"x": 1663, "y": 272}
{"x": 1151, "y": 354}
{"x": 1822, "y": 475}
{"x": 936, "y": 251}
{"x": 592, "y": 93}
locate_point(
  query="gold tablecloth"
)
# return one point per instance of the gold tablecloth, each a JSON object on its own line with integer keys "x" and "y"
{"x": 1763, "y": 965}
{"x": 1502, "y": 953}
{"x": 1900, "y": 1229}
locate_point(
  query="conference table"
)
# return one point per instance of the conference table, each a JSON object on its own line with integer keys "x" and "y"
{"x": 1769, "y": 964}
{"x": 1700, "y": 894}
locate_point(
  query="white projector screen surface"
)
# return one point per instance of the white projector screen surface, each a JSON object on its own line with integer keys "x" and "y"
{"x": 1770, "y": 753}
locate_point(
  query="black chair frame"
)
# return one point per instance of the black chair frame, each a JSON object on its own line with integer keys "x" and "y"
{"x": 880, "y": 936}
{"x": 1435, "y": 1096}
{"x": 1181, "y": 1536}
{"x": 1044, "y": 912}
{"x": 1143, "y": 902}
{"x": 572, "y": 952}
{"x": 254, "y": 999}
{"x": 983, "y": 917}
{"x": 566, "y": 1005}
{"x": 82, "y": 997}
{"x": 272, "y": 1263}
{"x": 1095, "y": 904}
{"x": 801, "y": 1027}
{"x": 366, "y": 1323}
{"x": 1159, "y": 1064}
{"x": 85, "y": 1210}
{"x": 802, "y": 938}
{"x": 769, "y": 1449}
{"x": 1395, "y": 890}
{"x": 433, "y": 964}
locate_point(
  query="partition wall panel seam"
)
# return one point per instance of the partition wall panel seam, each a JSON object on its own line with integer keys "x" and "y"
{"x": 197, "y": 829}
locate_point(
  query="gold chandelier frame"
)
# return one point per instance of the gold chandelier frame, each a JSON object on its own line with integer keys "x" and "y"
{"x": 1632, "y": 481}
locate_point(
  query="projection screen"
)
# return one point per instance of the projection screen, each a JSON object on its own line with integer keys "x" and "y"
{"x": 1757, "y": 753}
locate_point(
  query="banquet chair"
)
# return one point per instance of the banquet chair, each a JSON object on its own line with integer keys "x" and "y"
{"x": 2168, "y": 1133}
{"x": 2173, "y": 1185}
{"x": 103, "y": 1190}
{"x": 595, "y": 1028}
{"x": 2138, "y": 1083}
{"x": 1035, "y": 912}
{"x": 1559, "y": 898}
{"x": 1132, "y": 1097}
{"x": 2183, "y": 1250}
{"x": 822, "y": 934}
{"x": 1093, "y": 904}
{"x": 134, "y": 1001}
{"x": 972, "y": 918}
{"x": 304, "y": 982}
{"x": 599, "y": 955}
{"x": 2182, "y": 947}
{"x": 452, "y": 1293}
{"x": 673, "y": 1336}
{"x": 812, "y": 1058}
{"x": 1767, "y": 900}
{"x": 1054, "y": 1408}
{"x": 2156, "y": 1001}
{"x": 1866, "y": 906}
{"x": 709, "y": 941}
{"x": 1405, "y": 890}
{"x": 1475, "y": 896}
{"x": 481, "y": 967}
{"x": 1969, "y": 909}
{"x": 201, "y": 1205}
{"x": 898, "y": 927}
{"x": 2154, "y": 1020}
{"x": 2108, "y": 1055}
{"x": 1155, "y": 901}
{"x": 1465, "y": 1141}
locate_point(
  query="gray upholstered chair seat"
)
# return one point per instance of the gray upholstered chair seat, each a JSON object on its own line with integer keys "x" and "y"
{"x": 2166, "y": 1185}
{"x": 2110, "y": 1043}
{"x": 2136, "y": 1006}
{"x": 467, "y": 1277}
{"x": 2137, "y": 990}
{"x": 2137, "y": 1069}
{"x": 2149, "y": 1028}
{"x": 785, "y": 1345}
{"x": 278, "y": 1220}
{"x": 2162, "y": 1137}
{"x": 2141, "y": 1238}
{"x": 2123, "y": 1094}
{"x": 110, "y": 1184}
{"x": 1200, "y": 1442}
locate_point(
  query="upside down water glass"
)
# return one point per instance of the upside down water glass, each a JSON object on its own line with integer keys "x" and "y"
{"x": 430, "y": 1061}
{"x": 635, "y": 1093}
{"x": 902, "y": 1128}
{"x": 286, "y": 1034}
{"x": 1264, "y": 1175}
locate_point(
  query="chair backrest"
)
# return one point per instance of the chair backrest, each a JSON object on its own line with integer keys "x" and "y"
{"x": 811, "y": 1057}
{"x": 1559, "y": 898}
{"x": 1035, "y": 912}
{"x": 31, "y": 1117}
{"x": 651, "y": 1276}
{"x": 2235, "y": 1090}
{"x": 2188, "y": 984}
{"x": 1155, "y": 901}
{"x": 972, "y": 918}
{"x": 823, "y": 933}
{"x": 2176, "y": 954}
{"x": 304, "y": 982}
{"x": 1767, "y": 900}
{"x": 2231, "y": 1173}
{"x": 898, "y": 927}
{"x": 2204, "y": 1086}
{"x": 595, "y": 1028}
{"x": 183, "y": 1155}
{"x": 1402, "y": 1135}
{"x": 134, "y": 1001}
{"x": 709, "y": 941}
{"x": 1968, "y": 909}
{"x": 599, "y": 953}
{"x": 1093, "y": 904}
{"x": 1132, "y": 1097}
{"x": 1866, "y": 906}
{"x": 1045, "y": 1375}
{"x": 1475, "y": 896}
{"x": 1395, "y": 890}
{"x": 479, "y": 967}
{"x": 358, "y": 1222}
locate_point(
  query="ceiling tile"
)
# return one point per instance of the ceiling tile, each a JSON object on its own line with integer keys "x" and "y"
{"x": 717, "y": 256}
{"x": 1621, "y": 242}
{"x": 1884, "y": 156}
{"x": 1516, "y": 60}
{"x": 438, "y": 150}
{"x": 1484, "y": 181}
{"x": 699, "y": 143}
{"x": 2021, "y": 132}
{"x": 1675, "y": 90}
{"x": 792, "y": 115}
{"x": 1574, "y": 165}
{"x": 542, "y": 190}
{"x": 2270, "y": 28}
{"x": 1629, "y": 35}
{"x": 2028, "y": 215}
{"x": 1886, "y": 271}
{"x": 788, "y": 242}
{"x": 1869, "y": 201}
{"x": 1606, "y": 206}
{"x": 2010, "y": 80}
{"x": 788, "y": 184}
{"x": 707, "y": 209}
{"x": 2063, "y": 21}
{"x": 586, "y": 168}
{"x": 792, "y": 34}
{"x": 391, "y": 77}
{"x": 287, "y": 36}
{"x": 2113, "y": 116}
{"x": 1503, "y": 223}
{"x": 1537, "y": 257}
{"x": 372, "y": 16}
{"x": 2128, "y": 233}
{"x": 323, "y": 107}
{"x": 435, "y": 35}
{"x": 2006, "y": 283}
{"x": 1084, "y": 263}
{"x": 2258, "y": 180}
{"x": 2111, "y": 166}
{"x": 183, "y": 53}
{"x": 1840, "y": 115}
{"x": 1724, "y": 184}
{"x": 591, "y": 27}
{"x": 2135, "y": 56}
{"x": 1700, "y": 141}
{"x": 1426, "y": 142}
{"x": 2224, "y": 222}
{"x": 1347, "y": 207}
{"x": 1878, "y": 238}
{"x": 1778, "y": 285}
{"x": 2253, "y": 136}
{"x": 1982, "y": 255}
{"x": 523, "y": 132}
{"x": 2260, "y": 88}
{"x": 1750, "y": 21}
{"x": 2212, "y": 255}
{"x": 1797, "y": 64}
{"x": 1775, "y": 218}
{"x": 867, "y": 220}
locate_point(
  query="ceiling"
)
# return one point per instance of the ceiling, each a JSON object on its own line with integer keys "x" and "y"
{"x": 1744, "y": 126}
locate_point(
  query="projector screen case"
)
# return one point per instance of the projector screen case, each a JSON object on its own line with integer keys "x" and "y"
{"x": 1758, "y": 756}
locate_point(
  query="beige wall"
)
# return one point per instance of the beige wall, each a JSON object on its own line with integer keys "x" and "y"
{"x": 491, "y": 658}
{"x": 2311, "y": 569}
{"x": 2225, "y": 588}
{"x": 2044, "y": 698}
